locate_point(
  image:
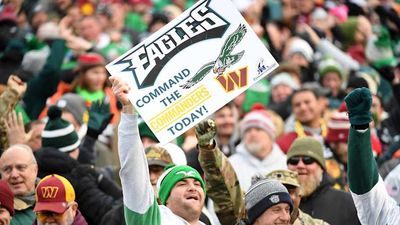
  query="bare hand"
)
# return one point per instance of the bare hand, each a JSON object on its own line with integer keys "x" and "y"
{"x": 78, "y": 44}
{"x": 65, "y": 28}
{"x": 314, "y": 38}
{"x": 17, "y": 84}
{"x": 121, "y": 89}
{"x": 5, "y": 220}
{"x": 16, "y": 130}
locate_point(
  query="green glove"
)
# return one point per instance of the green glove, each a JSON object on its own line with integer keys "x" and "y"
{"x": 359, "y": 103}
{"x": 205, "y": 132}
{"x": 99, "y": 118}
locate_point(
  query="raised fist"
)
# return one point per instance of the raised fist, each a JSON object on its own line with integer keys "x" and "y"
{"x": 359, "y": 102}
{"x": 205, "y": 132}
{"x": 15, "y": 83}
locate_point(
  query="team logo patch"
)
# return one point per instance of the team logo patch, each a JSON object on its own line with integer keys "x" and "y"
{"x": 186, "y": 174}
{"x": 223, "y": 61}
{"x": 274, "y": 199}
{"x": 49, "y": 192}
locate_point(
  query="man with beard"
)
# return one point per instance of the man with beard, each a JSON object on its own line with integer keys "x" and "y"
{"x": 257, "y": 153}
{"x": 56, "y": 202}
{"x": 181, "y": 188}
{"x": 319, "y": 199}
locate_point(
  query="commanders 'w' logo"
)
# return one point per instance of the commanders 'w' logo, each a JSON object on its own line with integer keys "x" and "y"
{"x": 233, "y": 79}
{"x": 49, "y": 192}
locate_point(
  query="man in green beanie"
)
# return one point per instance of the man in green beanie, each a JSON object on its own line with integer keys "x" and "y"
{"x": 181, "y": 188}
{"x": 319, "y": 199}
{"x": 374, "y": 205}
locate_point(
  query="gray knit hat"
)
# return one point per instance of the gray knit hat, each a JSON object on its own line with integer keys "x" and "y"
{"x": 264, "y": 194}
{"x": 59, "y": 133}
{"x": 74, "y": 104}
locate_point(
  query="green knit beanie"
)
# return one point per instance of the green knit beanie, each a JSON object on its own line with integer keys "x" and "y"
{"x": 59, "y": 133}
{"x": 307, "y": 146}
{"x": 330, "y": 65}
{"x": 144, "y": 131}
{"x": 173, "y": 175}
{"x": 348, "y": 29}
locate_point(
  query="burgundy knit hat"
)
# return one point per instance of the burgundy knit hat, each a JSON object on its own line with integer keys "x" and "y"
{"x": 338, "y": 126}
{"x": 6, "y": 197}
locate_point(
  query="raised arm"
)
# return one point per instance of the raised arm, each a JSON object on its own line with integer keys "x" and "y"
{"x": 374, "y": 205}
{"x": 138, "y": 196}
{"x": 221, "y": 181}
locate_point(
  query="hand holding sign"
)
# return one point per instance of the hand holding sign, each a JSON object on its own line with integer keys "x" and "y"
{"x": 192, "y": 66}
{"x": 121, "y": 89}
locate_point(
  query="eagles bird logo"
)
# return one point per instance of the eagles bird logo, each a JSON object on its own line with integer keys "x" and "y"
{"x": 224, "y": 60}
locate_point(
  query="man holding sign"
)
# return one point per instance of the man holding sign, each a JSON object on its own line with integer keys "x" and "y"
{"x": 181, "y": 189}
{"x": 192, "y": 66}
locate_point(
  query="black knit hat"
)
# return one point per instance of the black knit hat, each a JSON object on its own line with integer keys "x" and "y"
{"x": 59, "y": 133}
{"x": 264, "y": 194}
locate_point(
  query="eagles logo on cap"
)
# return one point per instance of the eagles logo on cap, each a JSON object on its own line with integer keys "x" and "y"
{"x": 187, "y": 174}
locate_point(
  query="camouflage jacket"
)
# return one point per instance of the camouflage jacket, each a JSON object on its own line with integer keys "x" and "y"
{"x": 222, "y": 186}
{"x": 305, "y": 219}
{"x": 8, "y": 99}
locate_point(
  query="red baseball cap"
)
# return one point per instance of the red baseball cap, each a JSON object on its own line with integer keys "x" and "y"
{"x": 91, "y": 59}
{"x": 53, "y": 194}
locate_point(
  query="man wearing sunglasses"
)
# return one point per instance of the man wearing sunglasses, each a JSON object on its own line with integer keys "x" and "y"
{"x": 373, "y": 203}
{"x": 55, "y": 202}
{"x": 319, "y": 199}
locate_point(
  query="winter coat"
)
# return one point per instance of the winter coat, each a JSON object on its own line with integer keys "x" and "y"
{"x": 23, "y": 213}
{"x": 95, "y": 194}
{"x": 246, "y": 165}
{"x": 334, "y": 206}
{"x": 36, "y": 95}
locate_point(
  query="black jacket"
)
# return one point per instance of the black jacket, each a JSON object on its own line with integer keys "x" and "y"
{"x": 95, "y": 194}
{"x": 334, "y": 206}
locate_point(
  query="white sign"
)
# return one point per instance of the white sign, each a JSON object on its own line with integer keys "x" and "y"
{"x": 192, "y": 67}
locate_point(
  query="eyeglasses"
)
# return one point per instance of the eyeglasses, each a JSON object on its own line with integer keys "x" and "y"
{"x": 307, "y": 160}
{"x": 43, "y": 215}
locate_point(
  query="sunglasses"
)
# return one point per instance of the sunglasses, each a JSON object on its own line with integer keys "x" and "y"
{"x": 307, "y": 160}
{"x": 43, "y": 215}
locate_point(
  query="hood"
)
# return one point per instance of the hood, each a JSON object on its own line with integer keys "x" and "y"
{"x": 50, "y": 161}
{"x": 275, "y": 155}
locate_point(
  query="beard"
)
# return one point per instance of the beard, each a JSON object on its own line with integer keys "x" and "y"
{"x": 253, "y": 148}
{"x": 69, "y": 220}
{"x": 310, "y": 184}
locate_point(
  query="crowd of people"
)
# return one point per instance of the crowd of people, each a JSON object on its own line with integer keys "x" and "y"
{"x": 317, "y": 141}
